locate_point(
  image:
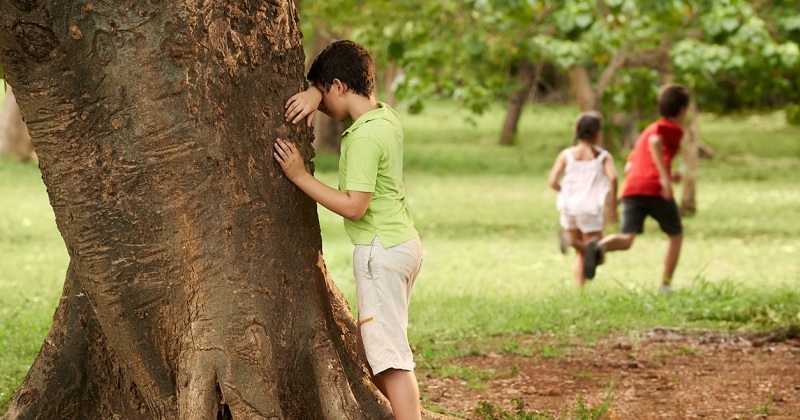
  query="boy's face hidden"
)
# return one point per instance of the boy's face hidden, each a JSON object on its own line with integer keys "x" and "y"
{"x": 334, "y": 100}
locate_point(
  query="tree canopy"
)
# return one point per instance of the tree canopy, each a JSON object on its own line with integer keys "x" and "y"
{"x": 735, "y": 54}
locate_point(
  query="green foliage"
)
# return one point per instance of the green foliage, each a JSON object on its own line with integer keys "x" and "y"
{"x": 739, "y": 61}
{"x": 734, "y": 54}
{"x": 456, "y": 49}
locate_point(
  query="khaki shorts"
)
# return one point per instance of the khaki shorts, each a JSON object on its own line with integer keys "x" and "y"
{"x": 384, "y": 278}
{"x": 585, "y": 223}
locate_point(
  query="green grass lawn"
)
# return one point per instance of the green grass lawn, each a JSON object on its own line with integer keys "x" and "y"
{"x": 488, "y": 223}
{"x": 33, "y": 262}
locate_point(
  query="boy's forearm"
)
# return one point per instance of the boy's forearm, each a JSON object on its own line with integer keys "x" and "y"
{"x": 339, "y": 202}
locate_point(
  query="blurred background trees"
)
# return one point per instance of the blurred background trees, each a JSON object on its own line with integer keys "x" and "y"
{"x": 610, "y": 55}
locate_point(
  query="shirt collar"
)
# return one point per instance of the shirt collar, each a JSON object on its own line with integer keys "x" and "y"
{"x": 381, "y": 112}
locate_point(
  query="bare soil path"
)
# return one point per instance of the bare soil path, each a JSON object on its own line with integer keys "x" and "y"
{"x": 664, "y": 374}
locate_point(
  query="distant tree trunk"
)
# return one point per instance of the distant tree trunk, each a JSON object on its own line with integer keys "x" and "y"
{"x": 14, "y": 138}
{"x": 582, "y": 88}
{"x": 691, "y": 157}
{"x": 629, "y": 125}
{"x": 387, "y": 76}
{"x": 196, "y": 287}
{"x": 528, "y": 76}
{"x": 327, "y": 133}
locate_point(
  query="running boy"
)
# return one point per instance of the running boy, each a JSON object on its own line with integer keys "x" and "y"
{"x": 589, "y": 175}
{"x": 371, "y": 198}
{"x": 648, "y": 187}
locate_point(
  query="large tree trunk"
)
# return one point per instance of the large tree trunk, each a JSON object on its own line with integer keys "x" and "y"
{"x": 196, "y": 287}
{"x": 14, "y": 138}
{"x": 528, "y": 78}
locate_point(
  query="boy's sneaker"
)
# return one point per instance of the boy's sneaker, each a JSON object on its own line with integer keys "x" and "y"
{"x": 665, "y": 290}
{"x": 563, "y": 241}
{"x": 592, "y": 256}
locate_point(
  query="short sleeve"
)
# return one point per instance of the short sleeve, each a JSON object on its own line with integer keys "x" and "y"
{"x": 670, "y": 135}
{"x": 363, "y": 157}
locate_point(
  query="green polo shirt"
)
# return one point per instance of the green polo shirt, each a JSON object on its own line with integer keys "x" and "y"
{"x": 372, "y": 161}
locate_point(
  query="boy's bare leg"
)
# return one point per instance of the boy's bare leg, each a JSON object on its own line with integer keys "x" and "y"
{"x": 400, "y": 387}
{"x": 617, "y": 242}
{"x": 671, "y": 259}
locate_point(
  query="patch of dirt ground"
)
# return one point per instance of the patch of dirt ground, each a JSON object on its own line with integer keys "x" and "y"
{"x": 662, "y": 374}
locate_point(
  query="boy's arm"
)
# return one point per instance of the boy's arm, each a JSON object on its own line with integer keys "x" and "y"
{"x": 351, "y": 204}
{"x": 303, "y": 104}
{"x": 556, "y": 171}
{"x": 656, "y": 144}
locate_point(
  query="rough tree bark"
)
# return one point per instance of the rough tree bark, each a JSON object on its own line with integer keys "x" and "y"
{"x": 14, "y": 138}
{"x": 196, "y": 287}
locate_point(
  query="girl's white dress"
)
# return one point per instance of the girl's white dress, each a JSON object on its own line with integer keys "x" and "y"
{"x": 584, "y": 186}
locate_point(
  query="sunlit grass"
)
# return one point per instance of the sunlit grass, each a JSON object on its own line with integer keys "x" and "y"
{"x": 491, "y": 261}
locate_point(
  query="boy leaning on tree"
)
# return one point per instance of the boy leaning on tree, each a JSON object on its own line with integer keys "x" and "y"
{"x": 371, "y": 198}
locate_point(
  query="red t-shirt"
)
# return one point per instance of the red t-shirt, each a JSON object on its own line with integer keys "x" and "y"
{"x": 642, "y": 175}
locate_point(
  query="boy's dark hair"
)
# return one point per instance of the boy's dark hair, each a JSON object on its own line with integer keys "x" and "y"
{"x": 672, "y": 99}
{"x": 588, "y": 125}
{"x": 347, "y": 61}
